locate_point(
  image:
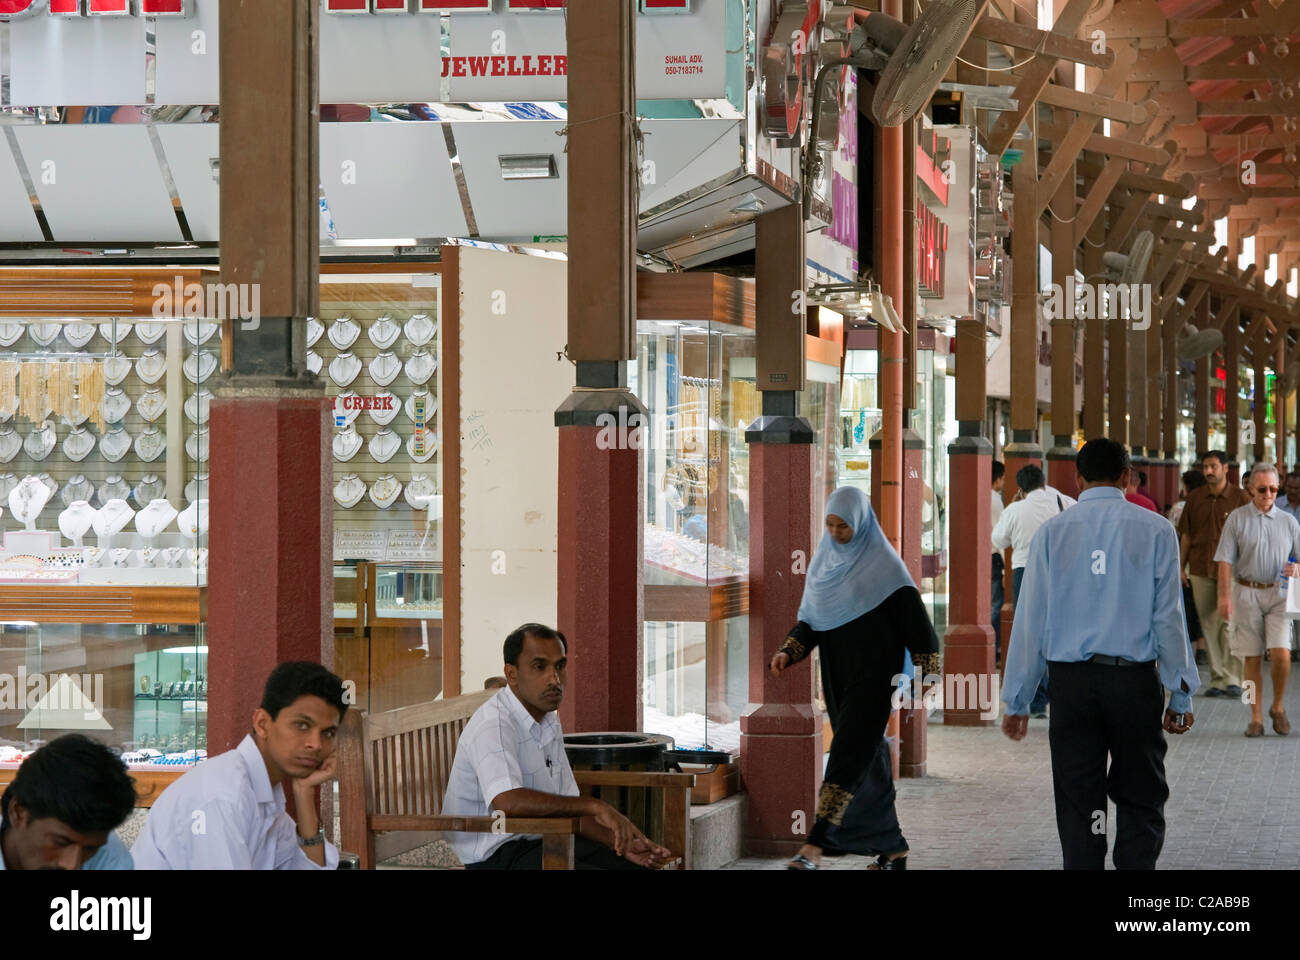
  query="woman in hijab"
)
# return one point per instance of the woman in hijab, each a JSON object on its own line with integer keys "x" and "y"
{"x": 861, "y": 609}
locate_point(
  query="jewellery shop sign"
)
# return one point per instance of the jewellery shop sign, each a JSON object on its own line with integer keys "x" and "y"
{"x": 93, "y": 52}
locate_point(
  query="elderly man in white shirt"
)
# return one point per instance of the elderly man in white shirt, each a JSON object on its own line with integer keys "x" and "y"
{"x": 1016, "y": 528}
{"x": 510, "y": 758}
{"x": 228, "y": 813}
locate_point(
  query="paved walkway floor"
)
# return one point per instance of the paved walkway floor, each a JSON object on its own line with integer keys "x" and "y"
{"x": 987, "y": 802}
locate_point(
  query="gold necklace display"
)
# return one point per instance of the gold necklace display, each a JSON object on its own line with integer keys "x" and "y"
{"x": 72, "y": 389}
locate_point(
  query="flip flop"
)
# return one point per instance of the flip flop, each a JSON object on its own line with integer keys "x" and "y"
{"x": 800, "y": 862}
{"x": 1281, "y": 725}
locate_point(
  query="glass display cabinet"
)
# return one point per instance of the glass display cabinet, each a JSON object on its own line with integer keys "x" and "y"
{"x": 697, "y": 379}
{"x": 377, "y": 345}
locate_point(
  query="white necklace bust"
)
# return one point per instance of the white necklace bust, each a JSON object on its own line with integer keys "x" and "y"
{"x": 420, "y": 367}
{"x": 193, "y": 520}
{"x": 343, "y": 332}
{"x": 155, "y": 518}
{"x": 383, "y": 333}
{"x": 344, "y": 368}
{"x": 75, "y": 521}
{"x": 384, "y": 368}
{"x": 384, "y": 491}
{"x": 348, "y": 490}
{"x": 112, "y": 518}
{"x": 27, "y": 500}
{"x": 419, "y": 329}
{"x": 384, "y": 444}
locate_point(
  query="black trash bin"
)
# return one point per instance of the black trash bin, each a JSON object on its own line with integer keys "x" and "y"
{"x": 637, "y": 752}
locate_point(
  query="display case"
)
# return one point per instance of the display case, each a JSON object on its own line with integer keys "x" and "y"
{"x": 171, "y": 699}
{"x": 377, "y": 346}
{"x": 695, "y": 372}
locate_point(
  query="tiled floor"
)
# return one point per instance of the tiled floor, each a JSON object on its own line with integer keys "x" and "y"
{"x": 987, "y": 803}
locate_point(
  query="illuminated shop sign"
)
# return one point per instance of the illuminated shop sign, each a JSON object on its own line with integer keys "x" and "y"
{"x": 182, "y": 8}
{"x": 95, "y": 8}
{"x": 932, "y": 238}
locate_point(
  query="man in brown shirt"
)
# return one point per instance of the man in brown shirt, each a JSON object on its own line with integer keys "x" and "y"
{"x": 1199, "y": 529}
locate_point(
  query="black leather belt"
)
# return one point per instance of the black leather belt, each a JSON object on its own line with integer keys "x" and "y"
{"x": 1106, "y": 661}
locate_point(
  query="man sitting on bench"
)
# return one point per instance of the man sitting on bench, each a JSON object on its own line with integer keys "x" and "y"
{"x": 510, "y": 759}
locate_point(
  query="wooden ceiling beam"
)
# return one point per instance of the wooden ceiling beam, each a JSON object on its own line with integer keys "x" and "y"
{"x": 1128, "y": 149}
{"x": 1024, "y": 37}
{"x": 1035, "y": 78}
{"x": 1068, "y": 148}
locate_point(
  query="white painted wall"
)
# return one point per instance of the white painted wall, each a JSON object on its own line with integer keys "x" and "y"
{"x": 511, "y": 385}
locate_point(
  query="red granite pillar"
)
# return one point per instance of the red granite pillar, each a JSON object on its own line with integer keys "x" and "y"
{"x": 270, "y": 562}
{"x": 600, "y": 503}
{"x": 781, "y": 738}
{"x": 1061, "y": 473}
{"x": 600, "y": 566}
{"x": 968, "y": 644}
{"x": 908, "y": 751}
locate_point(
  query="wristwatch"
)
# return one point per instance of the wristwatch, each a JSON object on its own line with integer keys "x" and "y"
{"x": 315, "y": 841}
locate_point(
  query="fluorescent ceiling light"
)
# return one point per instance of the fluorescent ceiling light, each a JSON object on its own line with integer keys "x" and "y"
{"x": 535, "y": 166}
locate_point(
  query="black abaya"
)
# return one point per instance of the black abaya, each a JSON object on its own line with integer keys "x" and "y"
{"x": 861, "y": 662}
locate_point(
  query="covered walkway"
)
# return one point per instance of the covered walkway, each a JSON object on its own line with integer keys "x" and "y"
{"x": 987, "y": 802}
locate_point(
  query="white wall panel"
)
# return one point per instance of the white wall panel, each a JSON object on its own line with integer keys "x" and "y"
{"x": 80, "y": 62}
{"x": 509, "y": 470}
{"x": 389, "y": 180}
{"x": 17, "y": 219}
{"x": 187, "y": 65}
{"x": 99, "y": 182}
{"x": 513, "y": 208}
{"x": 189, "y": 148}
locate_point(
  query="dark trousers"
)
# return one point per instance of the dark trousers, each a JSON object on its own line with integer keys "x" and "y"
{"x": 1117, "y": 711}
{"x": 526, "y": 854}
{"x": 1041, "y": 699}
{"x": 999, "y": 597}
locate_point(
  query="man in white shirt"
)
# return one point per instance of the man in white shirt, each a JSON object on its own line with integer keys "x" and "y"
{"x": 61, "y": 809}
{"x": 228, "y": 813}
{"x": 1016, "y": 528}
{"x": 510, "y": 759}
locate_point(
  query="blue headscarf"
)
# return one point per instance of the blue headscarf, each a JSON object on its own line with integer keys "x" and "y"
{"x": 846, "y": 580}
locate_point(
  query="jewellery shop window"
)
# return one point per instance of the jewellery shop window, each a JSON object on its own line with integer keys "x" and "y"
{"x": 103, "y": 534}
{"x": 376, "y": 346}
{"x": 697, "y": 381}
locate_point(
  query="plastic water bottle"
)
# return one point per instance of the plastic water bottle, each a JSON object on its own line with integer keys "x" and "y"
{"x": 1283, "y": 581}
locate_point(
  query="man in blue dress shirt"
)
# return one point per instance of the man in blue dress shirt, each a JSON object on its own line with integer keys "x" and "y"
{"x": 63, "y": 806}
{"x": 1103, "y": 604}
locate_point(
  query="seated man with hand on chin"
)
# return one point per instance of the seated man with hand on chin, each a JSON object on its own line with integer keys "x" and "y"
{"x": 510, "y": 758}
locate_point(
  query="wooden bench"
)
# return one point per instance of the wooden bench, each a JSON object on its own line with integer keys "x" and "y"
{"x": 393, "y": 769}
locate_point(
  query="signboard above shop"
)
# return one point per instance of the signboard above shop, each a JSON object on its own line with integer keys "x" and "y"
{"x": 93, "y": 52}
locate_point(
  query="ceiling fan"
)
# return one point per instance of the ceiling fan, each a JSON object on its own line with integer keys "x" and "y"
{"x": 911, "y": 61}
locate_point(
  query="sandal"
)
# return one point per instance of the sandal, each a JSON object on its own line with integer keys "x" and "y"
{"x": 883, "y": 862}
{"x": 1281, "y": 725}
{"x": 800, "y": 862}
{"x": 1254, "y": 729}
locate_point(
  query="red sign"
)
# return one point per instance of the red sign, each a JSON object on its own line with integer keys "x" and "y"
{"x": 932, "y": 239}
{"x": 469, "y": 6}
{"x": 96, "y": 8}
{"x": 367, "y": 403}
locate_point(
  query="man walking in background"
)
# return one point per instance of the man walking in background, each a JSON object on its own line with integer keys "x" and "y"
{"x": 1016, "y": 527}
{"x": 1199, "y": 529}
{"x": 1259, "y": 546}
